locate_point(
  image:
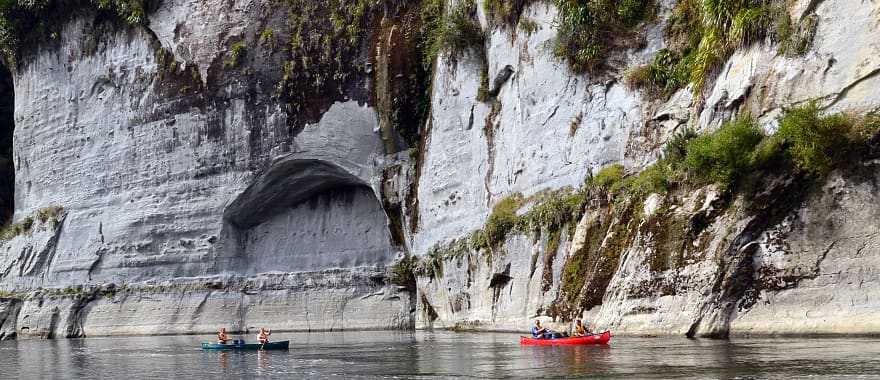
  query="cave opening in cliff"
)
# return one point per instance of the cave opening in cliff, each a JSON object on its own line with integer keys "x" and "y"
{"x": 307, "y": 215}
{"x": 338, "y": 227}
{"x": 7, "y": 126}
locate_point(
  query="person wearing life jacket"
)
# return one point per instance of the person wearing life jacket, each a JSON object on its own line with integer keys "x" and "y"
{"x": 579, "y": 329}
{"x": 221, "y": 336}
{"x": 539, "y": 331}
{"x": 263, "y": 337}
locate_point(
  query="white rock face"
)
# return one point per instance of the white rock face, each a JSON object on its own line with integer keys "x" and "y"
{"x": 501, "y": 294}
{"x": 841, "y": 70}
{"x": 330, "y": 300}
{"x": 9, "y": 309}
{"x": 182, "y": 25}
{"x": 820, "y": 265}
{"x": 552, "y": 128}
{"x": 811, "y": 272}
{"x": 161, "y": 169}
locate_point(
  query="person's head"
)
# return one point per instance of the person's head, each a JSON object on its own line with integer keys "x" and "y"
{"x": 223, "y": 330}
{"x": 578, "y": 322}
{"x": 538, "y": 322}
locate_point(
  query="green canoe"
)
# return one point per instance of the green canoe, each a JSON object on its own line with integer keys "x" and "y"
{"x": 240, "y": 345}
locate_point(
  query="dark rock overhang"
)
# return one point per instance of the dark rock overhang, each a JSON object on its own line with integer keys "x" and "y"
{"x": 285, "y": 184}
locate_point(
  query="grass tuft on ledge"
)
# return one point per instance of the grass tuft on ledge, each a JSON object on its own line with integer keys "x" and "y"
{"x": 455, "y": 30}
{"x": 43, "y": 215}
{"x": 702, "y": 34}
{"x": 589, "y": 30}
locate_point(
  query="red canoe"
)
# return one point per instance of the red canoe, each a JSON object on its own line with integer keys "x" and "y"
{"x": 602, "y": 338}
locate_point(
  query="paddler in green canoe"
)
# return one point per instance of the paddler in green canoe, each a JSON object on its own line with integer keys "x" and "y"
{"x": 222, "y": 338}
{"x": 263, "y": 337}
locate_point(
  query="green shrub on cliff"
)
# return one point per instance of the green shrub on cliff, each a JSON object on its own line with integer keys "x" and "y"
{"x": 613, "y": 180}
{"x": 49, "y": 213}
{"x": 462, "y": 31}
{"x": 675, "y": 149}
{"x": 588, "y": 29}
{"x": 12, "y": 230}
{"x": 554, "y": 210}
{"x": 29, "y": 23}
{"x": 502, "y": 220}
{"x": 653, "y": 179}
{"x": 795, "y": 38}
{"x": 433, "y": 13}
{"x": 44, "y": 215}
{"x": 27, "y": 223}
{"x": 505, "y": 12}
{"x": 608, "y": 178}
{"x": 726, "y": 25}
{"x": 702, "y": 34}
{"x": 72, "y": 291}
{"x": 325, "y": 38}
{"x": 432, "y": 264}
{"x": 456, "y": 30}
{"x": 550, "y": 212}
{"x": 130, "y": 11}
{"x": 813, "y": 143}
{"x": 267, "y": 38}
{"x": 668, "y": 72}
{"x": 724, "y": 155}
{"x": 236, "y": 53}
{"x": 403, "y": 272}
{"x": 816, "y": 143}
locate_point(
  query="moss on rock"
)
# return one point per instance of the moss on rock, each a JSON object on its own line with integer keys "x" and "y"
{"x": 26, "y": 25}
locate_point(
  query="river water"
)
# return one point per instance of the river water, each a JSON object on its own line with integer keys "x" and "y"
{"x": 440, "y": 355}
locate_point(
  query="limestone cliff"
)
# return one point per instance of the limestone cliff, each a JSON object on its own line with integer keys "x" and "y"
{"x": 798, "y": 258}
{"x": 184, "y": 169}
{"x": 328, "y": 165}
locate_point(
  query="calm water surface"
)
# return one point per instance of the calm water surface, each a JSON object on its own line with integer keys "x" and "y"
{"x": 441, "y": 354}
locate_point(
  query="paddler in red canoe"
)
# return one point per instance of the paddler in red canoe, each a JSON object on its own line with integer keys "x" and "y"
{"x": 540, "y": 332}
{"x": 579, "y": 329}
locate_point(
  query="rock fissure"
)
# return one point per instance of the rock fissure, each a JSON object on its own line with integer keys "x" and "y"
{"x": 840, "y": 95}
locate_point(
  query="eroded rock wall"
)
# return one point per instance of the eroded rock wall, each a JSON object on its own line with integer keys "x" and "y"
{"x": 690, "y": 264}
{"x": 180, "y": 150}
{"x": 330, "y": 300}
